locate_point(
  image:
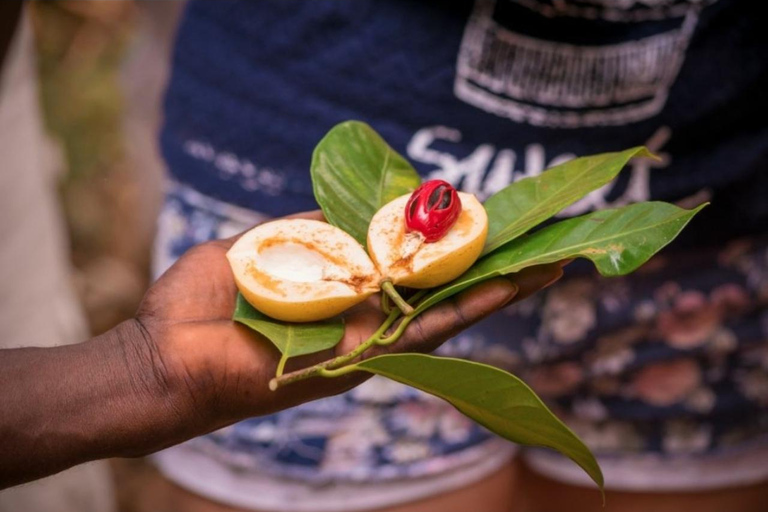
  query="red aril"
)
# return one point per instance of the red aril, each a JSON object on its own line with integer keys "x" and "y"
{"x": 433, "y": 209}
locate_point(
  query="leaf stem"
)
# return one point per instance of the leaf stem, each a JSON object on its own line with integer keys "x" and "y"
{"x": 331, "y": 368}
{"x": 416, "y": 297}
{"x": 288, "y": 378}
{"x": 388, "y": 288}
{"x": 281, "y": 365}
{"x": 397, "y": 333}
{"x": 338, "y": 372}
{"x": 385, "y": 306}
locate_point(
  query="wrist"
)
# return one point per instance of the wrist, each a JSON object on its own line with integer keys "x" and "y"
{"x": 67, "y": 405}
{"x": 151, "y": 394}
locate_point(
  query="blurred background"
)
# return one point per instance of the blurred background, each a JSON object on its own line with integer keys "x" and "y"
{"x": 101, "y": 77}
{"x": 102, "y": 69}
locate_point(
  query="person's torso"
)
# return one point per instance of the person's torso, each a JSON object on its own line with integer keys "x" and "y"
{"x": 476, "y": 93}
{"x": 480, "y": 94}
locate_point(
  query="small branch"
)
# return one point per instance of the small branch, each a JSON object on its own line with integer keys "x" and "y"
{"x": 332, "y": 367}
{"x": 398, "y": 332}
{"x": 338, "y": 372}
{"x": 388, "y": 288}
{"x": 385, "y": 305}
{"x": 288, "y": 378}
{"x": 404, "y": 323}
{"x": 312, "y": 371}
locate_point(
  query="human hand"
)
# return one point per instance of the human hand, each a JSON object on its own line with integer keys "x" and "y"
{"x": 217, "y": 371}
{"x": 182, "y": 368}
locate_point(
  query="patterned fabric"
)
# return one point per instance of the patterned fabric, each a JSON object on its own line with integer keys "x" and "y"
{"x": 482, "y": 93}
{"x": 479, "y": 94}
{"x": 379, "y": 430}
{"x": 671, "y": 360}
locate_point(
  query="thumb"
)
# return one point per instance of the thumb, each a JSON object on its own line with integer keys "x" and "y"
{"x": 440, "y": 323}
{"x": 443, "y": 321}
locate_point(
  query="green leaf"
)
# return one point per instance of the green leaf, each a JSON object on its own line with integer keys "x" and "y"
{"x": 290, "y": 339}
{"x": 492, "y": 397}
{"x": 530, "y": 201}
{"x": 616, "y": 241}
{"x": 354, "y": 173}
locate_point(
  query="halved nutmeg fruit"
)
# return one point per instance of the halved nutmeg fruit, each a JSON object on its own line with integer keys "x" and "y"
{"x": 300, "y": 270}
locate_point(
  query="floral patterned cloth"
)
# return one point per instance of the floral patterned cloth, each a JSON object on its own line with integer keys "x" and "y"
{"x": 381, "y": 430}
{"x": 671, "y": 360}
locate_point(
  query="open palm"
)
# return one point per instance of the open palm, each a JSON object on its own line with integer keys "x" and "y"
{"x": 225, "y": 367}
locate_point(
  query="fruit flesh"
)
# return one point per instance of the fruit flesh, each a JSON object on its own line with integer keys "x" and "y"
{"x": 299, "y": 270}
{"x": 405, "y": 257}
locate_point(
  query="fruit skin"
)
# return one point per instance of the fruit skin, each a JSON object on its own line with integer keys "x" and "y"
{"x": 300, "y": 312}
{"x": 433, "y": 209}
{"x": 389, "y": 225}
{"x": 297, "y": 301}
{"x": 447, "y": 268}
{"x": 427, "y": 264}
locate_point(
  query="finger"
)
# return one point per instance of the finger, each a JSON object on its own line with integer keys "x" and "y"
{"x": 198, "y": 286}
{"x": 453, "y": 315}
{"x": 424, "y": 334}
{"x": 446, "y": 320}
{"x": 533, "y": 279}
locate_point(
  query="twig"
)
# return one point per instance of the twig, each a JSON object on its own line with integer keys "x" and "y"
{"x": 333, "y": 367}
{"x": 385, "y": 306}
{"x": 388, "y": 288}
{"x": 312, "y": 371}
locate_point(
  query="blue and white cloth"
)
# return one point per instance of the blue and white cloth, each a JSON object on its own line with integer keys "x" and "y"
{"x": 669, "y": 363}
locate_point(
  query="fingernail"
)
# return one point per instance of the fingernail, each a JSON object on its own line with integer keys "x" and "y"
{"x": 512, "y": 294}
{"x": 554, "y": 279}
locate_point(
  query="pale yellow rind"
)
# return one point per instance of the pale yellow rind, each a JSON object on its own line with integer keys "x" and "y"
{"x": 308, "y": 310}
{"x": 432, "y": 264}
{"x": 352, "y": 275}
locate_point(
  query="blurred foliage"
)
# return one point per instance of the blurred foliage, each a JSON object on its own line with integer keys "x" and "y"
{"x": 80, "y": 45}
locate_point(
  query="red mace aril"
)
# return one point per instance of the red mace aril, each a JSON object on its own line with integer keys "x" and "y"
{"x": 433, "y": 209}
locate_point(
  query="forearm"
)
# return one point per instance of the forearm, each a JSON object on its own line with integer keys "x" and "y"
{"x": 66, "y": 405}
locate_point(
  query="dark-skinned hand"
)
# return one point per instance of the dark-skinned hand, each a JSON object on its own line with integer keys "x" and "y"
{"x": 226, "y": 367}
{"x": 182, "y": 368}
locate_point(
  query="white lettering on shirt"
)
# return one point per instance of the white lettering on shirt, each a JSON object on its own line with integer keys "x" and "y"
{"x": 488, "y": 169}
